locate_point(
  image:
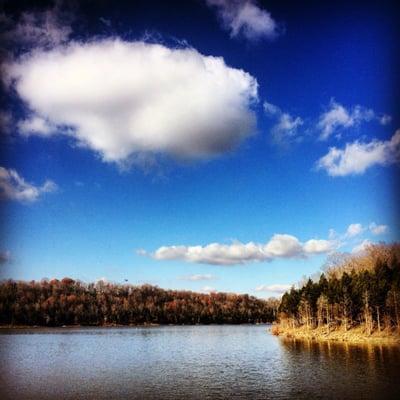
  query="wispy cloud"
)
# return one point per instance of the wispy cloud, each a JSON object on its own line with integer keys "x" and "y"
{"x": 285, "y": 130}
{"x": 37, "y": 29}
{"x": 197, "y": 277}
{"x": 14, "y": 187}
{"x": 245, "y": 18}
{"x": 279, "y": 246}
{"x": 337, "y": 118}
{"x": 5, "y": 257}
{"x": 357, "y": 157}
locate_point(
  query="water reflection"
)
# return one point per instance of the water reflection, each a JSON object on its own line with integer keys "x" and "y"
{"x": 199, "y": 362}
{"x": 342, "y": 370}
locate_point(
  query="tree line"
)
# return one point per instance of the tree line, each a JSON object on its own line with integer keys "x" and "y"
{"x": 71, "y": 302}
{"x": 356, "y": 290}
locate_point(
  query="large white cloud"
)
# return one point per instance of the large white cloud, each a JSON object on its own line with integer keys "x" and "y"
{"x": 245, "y": 18}
{"x": 123, "y": 98}
{"x": 357, "y": 157}
{"x": 15, "y": 187}
{"x": 279, "y": 246}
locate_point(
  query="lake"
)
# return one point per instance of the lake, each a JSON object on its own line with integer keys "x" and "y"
{"x": 183, "y": 362}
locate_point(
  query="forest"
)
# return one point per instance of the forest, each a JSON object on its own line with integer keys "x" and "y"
{"x": 70, "y": 302}
{"x": 355, "y": 291}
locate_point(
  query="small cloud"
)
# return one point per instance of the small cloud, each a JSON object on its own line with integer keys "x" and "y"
{"x": 354, "y": 230}
{"x": 378, "y": 229}
{"x": 357, "y": 157}
{"x": 105, "y": 21}
{"x": 285, "y": 131}
{"x": 245, "y": 18}
{"x": 271, "y": 109}
{"x": 385, "y": 119}
{"x": 339, "y": 117}
{"x": 5, "y": 257}
{"x": 208, "y": 289}
{"x": 197, "y": 277}
{"x": 276, "y": 288}
{"x": 14, "y": 187}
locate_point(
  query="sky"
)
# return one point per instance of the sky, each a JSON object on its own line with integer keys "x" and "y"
{"x": 206, "y": 145}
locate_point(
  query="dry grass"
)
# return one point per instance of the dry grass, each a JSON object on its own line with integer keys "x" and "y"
{"x": 354, "y": 335}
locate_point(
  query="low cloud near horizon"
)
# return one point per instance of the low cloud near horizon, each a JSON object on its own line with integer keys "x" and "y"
{"x": 279, "y": 246}
{"x": 197, "y": 277}
{"x": 276, "y": 288}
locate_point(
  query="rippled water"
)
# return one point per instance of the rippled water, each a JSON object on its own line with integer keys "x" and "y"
{"x": 199, "y": 362}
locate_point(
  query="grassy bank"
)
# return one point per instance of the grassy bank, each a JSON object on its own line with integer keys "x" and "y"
{"x": 357, "y": 335}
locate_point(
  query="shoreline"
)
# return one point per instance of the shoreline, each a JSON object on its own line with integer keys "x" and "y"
{"x": 351, "y": 336}
{"x": 145, "y": 325}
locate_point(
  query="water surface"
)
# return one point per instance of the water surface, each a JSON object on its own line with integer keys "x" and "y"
{"x": 181, "y": 362}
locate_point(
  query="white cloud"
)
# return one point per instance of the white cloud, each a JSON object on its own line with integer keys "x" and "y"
{"x": 197, "y": 277}
{"x": 279, "y": 246}
{"x": 286, "y": 128}
{"x": 122, "y": 99}
{"x": 208, "y": 289}
{"x": 14, "y": 187}
{"x": 362, "y": 246}
{"x": 271, "y": 109}
{"x": 319, "y": 246}
{"x": 357, "y": 157}
{"x": 245, "y": 18}
{"x": 378, "y": 229}
{"x": 354, "y": 230}
{"x": 338, "y": 117}
{"x": 283, "y": 245}
{"x": 277, "y": 288}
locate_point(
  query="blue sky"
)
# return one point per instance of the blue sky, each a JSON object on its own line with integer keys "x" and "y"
{"x": 131, "y": 152}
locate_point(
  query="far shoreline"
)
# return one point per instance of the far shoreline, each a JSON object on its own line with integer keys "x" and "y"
{"x": 145, "y": 325}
